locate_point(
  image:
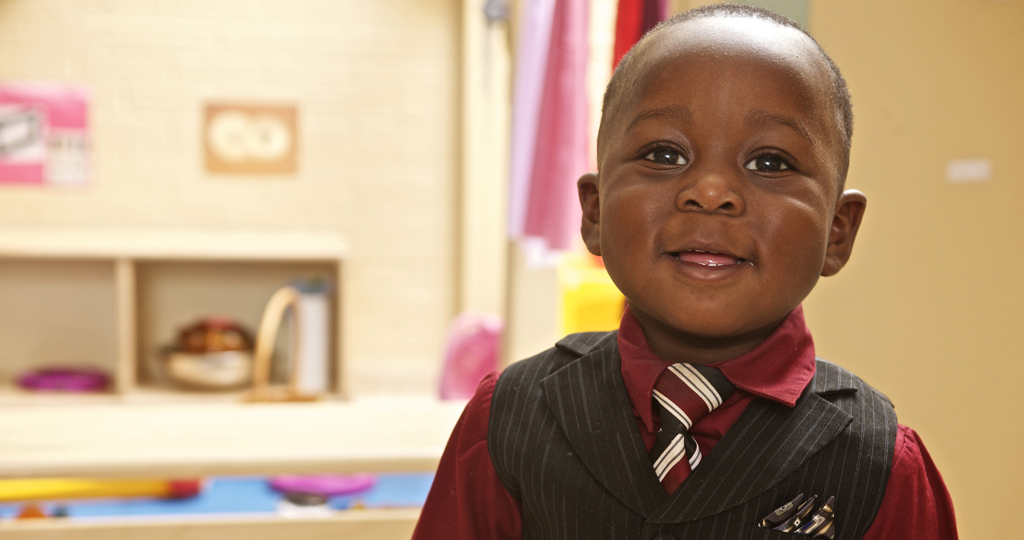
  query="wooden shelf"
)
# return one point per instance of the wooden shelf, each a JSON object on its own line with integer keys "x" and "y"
{"x": 349, "y": 524}
{"x": 170, "y": 245}
{"x": 203, "y": 439}
{"x": 240, "y": 266}
{"x": 13, "y": 396}
{"x": 141, "y": 284}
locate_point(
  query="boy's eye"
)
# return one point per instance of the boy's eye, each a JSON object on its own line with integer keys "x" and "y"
{"x": 666, "y": 156}
{"x": 767, "y": 163}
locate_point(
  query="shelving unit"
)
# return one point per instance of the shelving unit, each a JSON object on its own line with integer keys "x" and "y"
{"x": 113, "y": 298}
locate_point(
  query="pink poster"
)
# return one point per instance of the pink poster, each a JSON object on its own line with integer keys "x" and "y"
{"x": 43, "y": 134}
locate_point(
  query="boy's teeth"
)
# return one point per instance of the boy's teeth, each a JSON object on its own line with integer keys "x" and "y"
{"x": 707, "y": 258}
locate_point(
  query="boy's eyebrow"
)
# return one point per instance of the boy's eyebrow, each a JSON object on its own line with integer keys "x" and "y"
{"x": 673, "y": 112}
{"x": 762, "y": 117}
{"x": 682, "y": 113}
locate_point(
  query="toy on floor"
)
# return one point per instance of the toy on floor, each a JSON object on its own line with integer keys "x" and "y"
{"x": 327, "y": 485}
{"x": 34, "y": 489}
{"x": 309, "y": 496}
{"x": 241, "y": 495}
{"x": 589, "y": 301}
{"x": 65, "y": 379}
{"x": 471, "y": 353}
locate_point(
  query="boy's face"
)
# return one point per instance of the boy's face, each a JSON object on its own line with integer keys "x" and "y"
{"x": 717, "y": 205}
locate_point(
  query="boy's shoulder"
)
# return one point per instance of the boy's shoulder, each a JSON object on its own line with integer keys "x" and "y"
{"x": 831, "y": 379}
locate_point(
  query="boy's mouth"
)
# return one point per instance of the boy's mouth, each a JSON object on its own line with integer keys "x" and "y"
{"x": 708, "y": 258}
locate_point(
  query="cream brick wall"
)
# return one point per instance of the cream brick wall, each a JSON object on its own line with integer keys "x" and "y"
{"x": 376, "y": 84}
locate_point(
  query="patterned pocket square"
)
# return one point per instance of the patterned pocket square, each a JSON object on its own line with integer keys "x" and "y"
{"x": 801, "y": 518}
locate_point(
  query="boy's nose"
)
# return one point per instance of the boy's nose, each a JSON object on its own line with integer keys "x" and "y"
{"x": 713, "y": 193}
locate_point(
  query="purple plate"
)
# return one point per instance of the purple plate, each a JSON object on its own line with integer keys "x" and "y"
{"x": 327, "y": 485}
{"x": 65, "y": 380}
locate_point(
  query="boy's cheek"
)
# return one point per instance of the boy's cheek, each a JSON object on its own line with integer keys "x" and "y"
{"x": 626, "y": 231}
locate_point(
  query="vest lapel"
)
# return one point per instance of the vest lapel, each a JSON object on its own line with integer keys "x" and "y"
{"x": 768, "y": 443}
{"x": 590, "y": 403}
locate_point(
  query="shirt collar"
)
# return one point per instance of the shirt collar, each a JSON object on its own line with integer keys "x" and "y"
{"x": 778, "y": 369}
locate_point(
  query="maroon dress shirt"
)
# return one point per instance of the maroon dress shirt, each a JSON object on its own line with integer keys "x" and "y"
{"x": 468, "y": 501}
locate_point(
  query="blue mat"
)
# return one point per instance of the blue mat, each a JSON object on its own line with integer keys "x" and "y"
{"x": 241, "y": 495}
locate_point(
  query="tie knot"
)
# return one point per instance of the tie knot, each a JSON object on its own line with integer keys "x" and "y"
{"x": 688, "y": 392}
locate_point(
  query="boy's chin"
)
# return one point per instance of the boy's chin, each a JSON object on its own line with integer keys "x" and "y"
{"x": 716, "y": 332}
{"x": 714, "y": 325}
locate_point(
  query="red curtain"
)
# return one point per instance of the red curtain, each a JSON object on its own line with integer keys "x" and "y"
{"x": 634, "y": 19}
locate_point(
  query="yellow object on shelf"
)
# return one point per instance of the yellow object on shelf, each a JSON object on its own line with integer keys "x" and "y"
{"x": 590, "y": 302}
{"x": 33, "y": 489}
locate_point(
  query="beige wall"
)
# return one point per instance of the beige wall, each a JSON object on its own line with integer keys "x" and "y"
{"x": 931, "y": 308}
{"x": 376, "y": 84}
{"x": 485, "y": 103}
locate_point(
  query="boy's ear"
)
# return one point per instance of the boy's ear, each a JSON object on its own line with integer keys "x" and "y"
{"x": 590, "y": 228}
{"x": 845, "y": 224}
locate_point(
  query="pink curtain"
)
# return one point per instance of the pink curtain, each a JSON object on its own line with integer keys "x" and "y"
{"x": 551, "y": 211}
{"x": 531, "y": 63}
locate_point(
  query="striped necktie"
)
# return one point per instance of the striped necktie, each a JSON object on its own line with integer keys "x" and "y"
{"x": 683, "y": 395}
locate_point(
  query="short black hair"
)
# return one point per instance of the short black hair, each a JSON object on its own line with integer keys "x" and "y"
{"x": 625, "y": 73}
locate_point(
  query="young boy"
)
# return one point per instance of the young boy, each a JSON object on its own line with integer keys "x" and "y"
{"x": 719, "y": 201}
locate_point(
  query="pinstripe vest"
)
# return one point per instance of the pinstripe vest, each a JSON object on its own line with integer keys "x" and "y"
{"x": 564, "y": 441}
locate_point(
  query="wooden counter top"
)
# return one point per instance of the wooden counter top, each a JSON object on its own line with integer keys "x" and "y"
{"x": 201, "y": 439}
{"x": 173, "y": 244}
{"x": 351, "y": 525}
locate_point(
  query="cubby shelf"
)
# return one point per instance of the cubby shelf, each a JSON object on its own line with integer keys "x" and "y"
{"x": 230, "y": 272}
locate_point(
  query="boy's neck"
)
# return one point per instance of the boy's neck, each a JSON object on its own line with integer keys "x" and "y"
{"x": 674, "y": 346}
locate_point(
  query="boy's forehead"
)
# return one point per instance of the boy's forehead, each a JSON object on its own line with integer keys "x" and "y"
{"x": 731, "y": 34}
{"x": 760, "y": 42}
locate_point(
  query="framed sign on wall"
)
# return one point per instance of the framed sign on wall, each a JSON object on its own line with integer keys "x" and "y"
{"x": 44, "y": 136}
{"x": 250, "y": 139}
